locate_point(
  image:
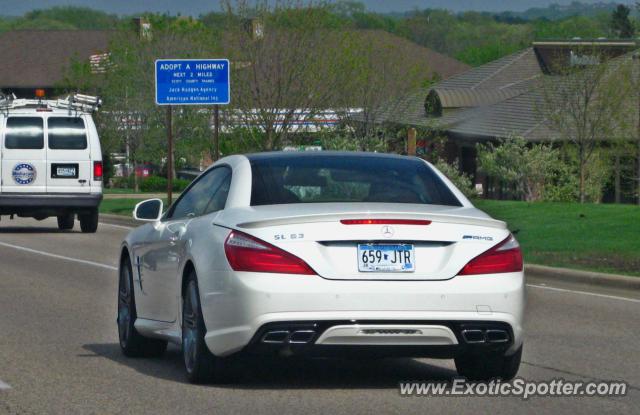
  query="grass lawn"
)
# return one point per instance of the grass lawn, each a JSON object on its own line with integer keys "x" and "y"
{"x": 594, "y": 237}
{"x": 120, "y": 206}
{"x": 108, "y": 191}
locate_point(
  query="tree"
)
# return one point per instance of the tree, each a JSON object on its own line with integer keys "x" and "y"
{"x": 130, "y": 122}
{"x": 376, "y": 70}
{"x": 285, "y": 71}
{"x": 621, "y": 24}
{"x": 582, "y": 104}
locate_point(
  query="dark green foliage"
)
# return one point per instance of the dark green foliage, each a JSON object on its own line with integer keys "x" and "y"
{"x": 159, "y": 184}
{"x": 65, "y": 17}
{"x": 472, "y": 37}
{"x": 621, "y": 24}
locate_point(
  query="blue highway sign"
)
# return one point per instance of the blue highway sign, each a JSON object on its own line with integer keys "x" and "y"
{"x": 192, "y": 82}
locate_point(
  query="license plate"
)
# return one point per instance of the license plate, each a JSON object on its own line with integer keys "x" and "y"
{"x": 66, "y": 171}
{"x": 386, "y": 258}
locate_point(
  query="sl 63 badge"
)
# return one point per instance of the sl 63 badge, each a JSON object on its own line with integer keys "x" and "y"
{"x": 282, "y": 237}
{"x": 23, "y": 173}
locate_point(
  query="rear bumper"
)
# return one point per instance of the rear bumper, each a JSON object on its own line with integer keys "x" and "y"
{"x": 383, "y": 338}
{"x": 50, "y": 200}
{"x": 239, "y": 307}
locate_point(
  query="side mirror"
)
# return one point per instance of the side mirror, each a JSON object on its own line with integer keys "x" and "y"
{"x": 148, "y": 210}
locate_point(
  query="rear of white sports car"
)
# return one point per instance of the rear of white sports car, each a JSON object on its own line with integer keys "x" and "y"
{"x": 354, "y": 254}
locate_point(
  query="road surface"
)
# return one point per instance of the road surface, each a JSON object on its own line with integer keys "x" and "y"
{"x": 59, "y": 352}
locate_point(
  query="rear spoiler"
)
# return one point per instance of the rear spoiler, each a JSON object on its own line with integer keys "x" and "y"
{"x": 333, "y": 217}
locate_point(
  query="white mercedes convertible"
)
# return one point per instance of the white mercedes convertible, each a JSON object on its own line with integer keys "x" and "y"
{"x": 322, "y": 254}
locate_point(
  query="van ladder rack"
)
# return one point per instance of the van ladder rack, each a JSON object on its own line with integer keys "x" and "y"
{"x": 73, "y": 102}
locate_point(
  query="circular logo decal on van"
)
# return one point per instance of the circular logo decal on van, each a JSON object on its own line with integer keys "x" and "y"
{"x": 24, "y": 173}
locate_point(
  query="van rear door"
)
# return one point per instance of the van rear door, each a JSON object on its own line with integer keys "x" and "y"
{"x": 68, "y": 155}
{"x": 24, "y": 168}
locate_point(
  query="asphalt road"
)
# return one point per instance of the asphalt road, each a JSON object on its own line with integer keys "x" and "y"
{"x": 59, "y": 352}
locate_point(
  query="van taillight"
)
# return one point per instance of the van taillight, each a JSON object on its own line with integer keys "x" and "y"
{"x": 97, "y": 170}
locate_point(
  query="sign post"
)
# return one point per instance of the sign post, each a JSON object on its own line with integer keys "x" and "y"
{"x": 169, "y": 155}
{"x": 216, "y": 132}
{"x": 192, "y": 82}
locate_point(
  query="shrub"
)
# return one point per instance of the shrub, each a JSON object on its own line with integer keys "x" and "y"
{"x": 180, "y": 184}
{"x": 121, "y": 182}
{"x": 462, "y": 181}
{"x": 342, "y": 140}
{"x": 154, "y": 184}
{"x": 529, "y": 169}
{"x": 159, "y": 184}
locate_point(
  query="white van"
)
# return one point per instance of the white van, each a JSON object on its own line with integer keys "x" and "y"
{"x": 51, "y": 162}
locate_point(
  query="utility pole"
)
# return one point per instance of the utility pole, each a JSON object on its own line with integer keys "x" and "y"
{"x": 169, "y": 155}
{"x": 411, "y": 141}
{"x": 216, "y": 132}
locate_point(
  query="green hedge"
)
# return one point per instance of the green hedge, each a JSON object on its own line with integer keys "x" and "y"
{"x": 159, "y": 184}
{"x": 149, "y": 184}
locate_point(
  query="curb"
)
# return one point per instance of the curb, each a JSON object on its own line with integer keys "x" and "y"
{"x": 119, "y": 220}
{"x": 583, "y": 277}
{"x": 539, "y": 271}
{"x": 139, "y": 196}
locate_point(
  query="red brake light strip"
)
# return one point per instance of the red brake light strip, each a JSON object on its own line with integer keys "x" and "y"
{"x": 385, "y": 222}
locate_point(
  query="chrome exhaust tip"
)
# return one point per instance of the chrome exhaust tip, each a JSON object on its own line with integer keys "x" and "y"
{"x": 473, "y": 336}
{"x": 497, "y": 336}
{"x": 302, "y": 336}
{"x": 275, "y": 336}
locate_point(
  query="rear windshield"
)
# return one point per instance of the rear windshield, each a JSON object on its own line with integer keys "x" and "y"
{"x": 24, "y": 133}
{"x": 66, "y": 133}
{"x": 343, "y": 178}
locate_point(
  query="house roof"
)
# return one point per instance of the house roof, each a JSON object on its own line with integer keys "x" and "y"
{"x": 512, "y": 71}
{"x": 38, "y": 58}
{"x": 438, "y": 64}
{"x": 393, "y": 48}
{"x": 498, "y": 99}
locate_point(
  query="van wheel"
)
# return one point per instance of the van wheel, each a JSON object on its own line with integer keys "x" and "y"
{"x": 89, "y": 221}
{"x": 66, "y": 221}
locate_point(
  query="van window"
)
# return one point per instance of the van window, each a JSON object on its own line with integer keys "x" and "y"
{"x": 67, "y": 133}
{"x": 24, "y": 133}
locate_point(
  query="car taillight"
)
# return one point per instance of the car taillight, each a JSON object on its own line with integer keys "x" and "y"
{"x": 97, "y": 170}
{"x": 246, "y": 253}
{"x": 504, "y": 257}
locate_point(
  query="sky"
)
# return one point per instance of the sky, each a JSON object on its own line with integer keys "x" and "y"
{"x": 196, "y": 7}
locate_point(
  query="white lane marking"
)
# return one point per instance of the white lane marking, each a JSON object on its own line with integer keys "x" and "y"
{"x": 117, "y": 226}
{"x": 4, "y": 386}
{"x": 611, "y": 297}
{"x": 111, "y": 267}
{"x": 66, "y": 258}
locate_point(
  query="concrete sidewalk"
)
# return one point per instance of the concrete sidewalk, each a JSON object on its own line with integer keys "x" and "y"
{"x": 583, "y": 277}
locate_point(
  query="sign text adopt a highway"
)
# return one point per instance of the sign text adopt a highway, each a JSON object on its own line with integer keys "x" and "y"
{"x": 192, "y": 82}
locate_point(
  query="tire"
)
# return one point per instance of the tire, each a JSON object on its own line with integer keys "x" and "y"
{"x": 66, "y": 221}
{"x": 132, "y": 343}
{"x": 200, "y": 364}
{"x": 89, "y": 221}
{"x": 487, "y": 366}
